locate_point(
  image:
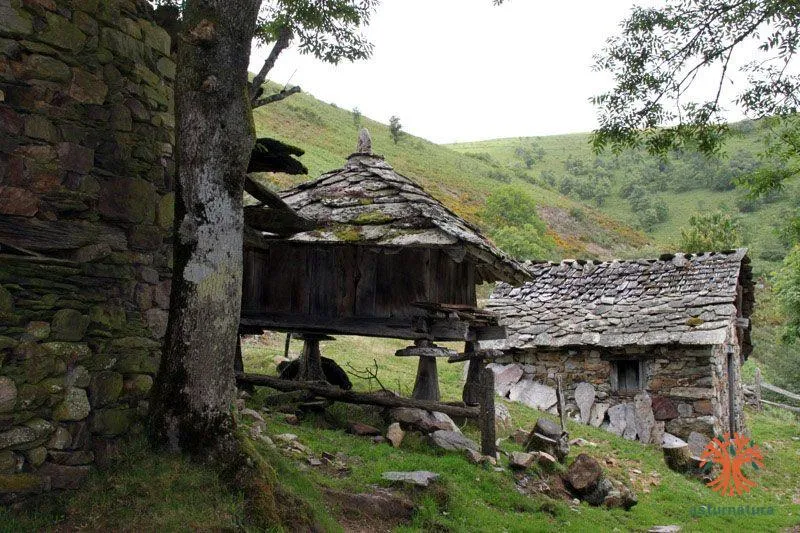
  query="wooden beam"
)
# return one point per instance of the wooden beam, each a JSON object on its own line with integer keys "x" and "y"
{"x": 779, "y": 390}
{"x": 337, "y": 394}
{"x": 263, "y": 194}
{"x": 278, "y": 221}
{"x": 487, "y": 414}
{"x": 782, "y": 406}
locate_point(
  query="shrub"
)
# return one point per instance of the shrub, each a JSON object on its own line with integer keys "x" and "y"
{"x": 711, "y": 232}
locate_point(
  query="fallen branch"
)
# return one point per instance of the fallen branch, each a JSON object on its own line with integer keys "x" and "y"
{"x": 367, "y": 374}
{"x": 778, "y": 390}
{"x": 335, "y": 393}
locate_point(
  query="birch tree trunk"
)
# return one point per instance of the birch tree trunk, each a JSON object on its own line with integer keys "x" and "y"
{"x": 192, "y": 402}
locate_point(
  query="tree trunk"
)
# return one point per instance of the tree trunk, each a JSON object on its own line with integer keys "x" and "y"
{"x": 195, "y": 387}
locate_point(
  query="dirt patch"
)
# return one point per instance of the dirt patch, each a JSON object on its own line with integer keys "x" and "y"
{"x": 377, "y": 510}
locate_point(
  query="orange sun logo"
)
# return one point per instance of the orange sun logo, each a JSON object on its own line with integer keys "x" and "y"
{"x": 731, "y": 454}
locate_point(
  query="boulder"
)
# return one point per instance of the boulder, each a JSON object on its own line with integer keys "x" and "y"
{"x": 8, "y": 394}
{"x": 697, "y": 443}
{"x": 521, "y": 460}
{"x": 105, "y": 388}
{"x": 657, "y": 434}
{"x": 548, "y": 428}
{"x": 630, "y": 422}
{"x": 683, "y": 427}
{"x": 420, "y": 478}
{"x": 395, "y": 434}
{"x": 598, "y": 414}
{"x": 74, "y": 407}
{"x": 505, "y": 376}
{"x": 452, "y": 441}
{"x": 68, "y": 325}
{"x": 533, "y": 394}
{"x": 583, "y": 474}
{"x": 520, "y": 436}
{"x": 362, "y": 430}
{"x": 643, "y": 416}
{"x": 617, "y": 419}
{"x": 558, "y": 447}
{"x": 584, "y": 398}
{"x": 414, "y": 419}
{"x": 381, "y": 504}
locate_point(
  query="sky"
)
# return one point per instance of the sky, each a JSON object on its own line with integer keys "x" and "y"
{"x": 466, "y": 70}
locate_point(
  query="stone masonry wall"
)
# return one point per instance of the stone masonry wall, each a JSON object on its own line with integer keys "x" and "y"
{"x": 687, "y": 386}
{"x": 86, "y": 207}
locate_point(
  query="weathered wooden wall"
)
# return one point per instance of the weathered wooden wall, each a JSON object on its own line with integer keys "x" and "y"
{"x": 344, "y": 281}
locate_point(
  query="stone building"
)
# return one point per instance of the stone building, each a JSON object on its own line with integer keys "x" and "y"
{"x": 642, "y": 346}
{"x": 86, "y": 208}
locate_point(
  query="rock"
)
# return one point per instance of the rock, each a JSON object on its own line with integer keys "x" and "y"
{"x": 521, "y": 460}
{"x": 583, "y": 474}
{"x": 584, "y": 397}
{"x": 683, "y": 427}
{"x": 250, "y": 413}
{"x": 285, "y": 438}
{"x": 420, "y": 478}
{"x": 617, "y": 419}
{"x": 8, "y": 394}
{"x": 78, "y": 377}
{"x": 544, "y": 458}
{"x": 362, "y": 430}
{"x": 558, "y": 448}
{"x": 505, "y": 376}
{"x": 665, "y": 529}
{"x": 657, "y": 434}
{"x": 36, "y": 456}
{"x": 63, "y": 476}
{"x": 643, "y": 416}
{"x": 81, "y": 457}
{"x": 105, "y": 388}
{"x": 619, "y": 496}
{"x": 598, "y": 414}
{"x": 548, "y": 428}
{"x": 502, "y": 417}
{"x": 703, "y": 407}
{"x": 74, "y": 407}
{"x": 533, "y": 394}
{"x": 137, "y": 386}
{"x": 18, "y": 438}
{"x": 697, "y": 443}
{"x": 630, "y": 422}
{"x": 378, "y": 439}
{"x": 664, "y": 408}
{"x": 423, "y": 421}
{"x": 452, "y": 441}
{"x": 112, "y": 422}
{"x": 395, "y": 434}
{"x": 520, "y": 436}
{"x": 8, "y": 462}
{"x": 693, "y": 393}
{"x": 292, "y": 420}
{"x": 582, "y": 442}
{"x": 38, "y": 329}
{"x": 474, "y": 457}
{"x": 68, "y": 325}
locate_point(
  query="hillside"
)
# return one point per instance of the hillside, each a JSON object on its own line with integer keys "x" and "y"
{"x": 463, "y": 183}
{"x": 686, "y": 183}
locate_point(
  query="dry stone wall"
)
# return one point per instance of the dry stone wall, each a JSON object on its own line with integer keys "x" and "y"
{"x": 86, "y": 207}
{"x": 684, "y": 389}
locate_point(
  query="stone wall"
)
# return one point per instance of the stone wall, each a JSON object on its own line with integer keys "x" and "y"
{"x": 86, "y": 207}
{"x": 686, "y": 387}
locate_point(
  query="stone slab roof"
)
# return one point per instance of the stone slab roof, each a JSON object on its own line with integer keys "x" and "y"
{"x": 676, "y": 299}
{"x": 367, "y": 203}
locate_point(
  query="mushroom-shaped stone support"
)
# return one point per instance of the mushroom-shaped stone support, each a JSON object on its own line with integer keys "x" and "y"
{"x": 426, "y": 386}
{"x": 477, "y": 359}
{"x": 311, "y": 362}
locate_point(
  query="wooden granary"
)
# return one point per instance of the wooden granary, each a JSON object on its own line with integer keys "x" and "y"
{"x": 378, "y": 257}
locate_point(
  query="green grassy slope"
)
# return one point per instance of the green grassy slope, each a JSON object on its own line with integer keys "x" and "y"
{"x": 759, "y": 227}
{"x": 328, "y": 135}
{"x": 146, "y": 492}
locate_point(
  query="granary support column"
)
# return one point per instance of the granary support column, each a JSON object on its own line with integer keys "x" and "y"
{"x": 426, "y": 386}
{"x": 311, "y": 360}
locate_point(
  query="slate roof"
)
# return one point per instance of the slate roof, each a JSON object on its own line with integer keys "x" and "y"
{"x": 676, "y": 299}
{"x": 367, "y": 203}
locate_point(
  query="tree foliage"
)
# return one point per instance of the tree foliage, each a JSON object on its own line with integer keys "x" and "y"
{"x": 661, "y": 50}
{"x": 516, "y": 228}
{"x": 711, "y": 232}
{"x": 395, "y": 128}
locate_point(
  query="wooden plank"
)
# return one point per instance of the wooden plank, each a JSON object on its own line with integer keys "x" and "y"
{"x": 335, "y": 393}
{"x": 487, "y": 414}
{"x": 277, "y": 221}
{"x": 779, "y": 390}
{"x": 323, "y": 278}
{"x": 264, "y": 194}
{"x": 782, "y": 406}
{"x": 366, "y": 281}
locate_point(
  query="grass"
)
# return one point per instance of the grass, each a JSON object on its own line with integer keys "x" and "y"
{"x": 144, "y": 491}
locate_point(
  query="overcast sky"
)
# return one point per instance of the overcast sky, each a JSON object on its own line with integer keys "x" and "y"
{"x": 464, "y": 70}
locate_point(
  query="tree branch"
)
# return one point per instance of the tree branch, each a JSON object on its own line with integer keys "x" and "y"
{"x": 277, "y": 97}
{"x": 256, "y": 89}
